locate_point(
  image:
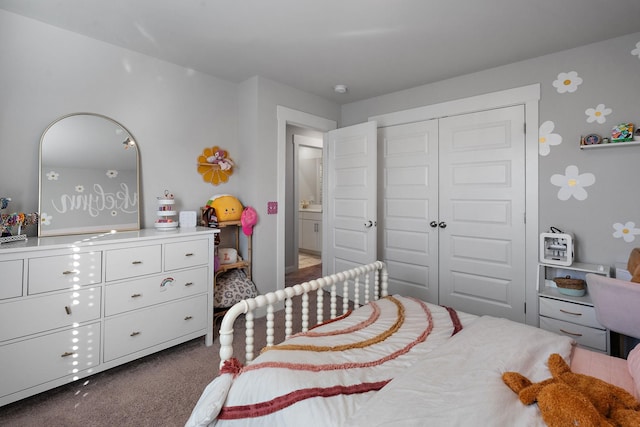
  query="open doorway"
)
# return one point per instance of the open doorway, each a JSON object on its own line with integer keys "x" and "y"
{"x": 284, "y": 236}
{"x": 303, "y": 201}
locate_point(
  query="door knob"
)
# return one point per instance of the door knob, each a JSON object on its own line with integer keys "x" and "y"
{"x": 442, "y": 224}
{"x": 368, "y": 224}
{"x": 433, "y": 224}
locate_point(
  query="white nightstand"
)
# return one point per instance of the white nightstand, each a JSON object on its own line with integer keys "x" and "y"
{"x": 572, "y": 316}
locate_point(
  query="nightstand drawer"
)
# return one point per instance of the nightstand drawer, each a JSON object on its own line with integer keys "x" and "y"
{"x": 186, "y": 254}
{"x": 64, "y": 271}
{"x": 584, "y": 336}
{"x": 133, "y": 262}
{"x": 569, "y": 312}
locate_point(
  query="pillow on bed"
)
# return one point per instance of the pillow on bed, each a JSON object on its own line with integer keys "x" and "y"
{"x": 211, "y": 401}
{"x": 633, "y": 362}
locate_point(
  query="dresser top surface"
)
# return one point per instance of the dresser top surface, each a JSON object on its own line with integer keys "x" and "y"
{"x": 87, "y": 240}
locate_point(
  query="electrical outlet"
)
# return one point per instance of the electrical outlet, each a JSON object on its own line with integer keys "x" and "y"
{"x": 272, "y": 208}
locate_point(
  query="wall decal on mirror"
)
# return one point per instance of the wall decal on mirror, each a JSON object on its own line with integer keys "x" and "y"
{"x": 89, "y": 178}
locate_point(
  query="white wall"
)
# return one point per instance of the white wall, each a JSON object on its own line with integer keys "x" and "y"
{"x": 259, "y": 99}
{"x": 173, "y": 112}
{"x": 611, "y": 76}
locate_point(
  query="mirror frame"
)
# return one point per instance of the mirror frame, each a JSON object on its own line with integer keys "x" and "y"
{"x": 116, "y": 200}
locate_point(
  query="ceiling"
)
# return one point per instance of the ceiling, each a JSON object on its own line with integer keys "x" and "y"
{"x": 373, "y": 47}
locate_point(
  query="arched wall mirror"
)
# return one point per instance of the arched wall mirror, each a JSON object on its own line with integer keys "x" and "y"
{"x": 89, "y": 179}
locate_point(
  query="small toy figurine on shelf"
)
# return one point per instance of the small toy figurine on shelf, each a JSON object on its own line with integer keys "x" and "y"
{"x": 16, "y": 219}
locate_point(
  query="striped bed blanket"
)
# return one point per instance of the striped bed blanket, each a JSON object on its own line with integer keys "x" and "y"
{"x": 322, "y": 376}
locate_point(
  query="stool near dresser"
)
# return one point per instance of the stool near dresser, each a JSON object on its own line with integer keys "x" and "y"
{"x": 72, "y": 306}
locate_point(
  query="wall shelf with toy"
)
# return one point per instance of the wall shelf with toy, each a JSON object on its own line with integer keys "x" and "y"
{"x": 622, "y": 135}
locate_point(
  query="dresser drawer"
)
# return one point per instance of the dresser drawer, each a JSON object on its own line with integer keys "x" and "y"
{"x": 147, "y": 327}
{"x": 64, "y": 271}
{"x": 11, "y": 274}
{"x": 39, "y": 360}
{"x": 147, "y": 291}
{"x": 186, "y": 254}
{"x": 584, "y": 336}
{"x": 569, "y": 312}
{"x": 133, "y": 262}
{"x": 44, "y": 313}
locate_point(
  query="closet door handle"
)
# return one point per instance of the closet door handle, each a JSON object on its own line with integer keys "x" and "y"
{"x": 442, "y": 224}
{"x": 433, "y": 224}
{"x": 368, "y": 224}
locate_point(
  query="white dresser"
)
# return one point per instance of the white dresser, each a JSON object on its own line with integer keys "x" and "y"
{"x": 72, "y": 306}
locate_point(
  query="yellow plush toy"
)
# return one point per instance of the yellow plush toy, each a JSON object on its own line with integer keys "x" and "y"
{"x": 570, "y": 399}
{"x": 227, "y": 207}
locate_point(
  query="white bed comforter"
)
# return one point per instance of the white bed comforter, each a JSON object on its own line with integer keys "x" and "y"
{"x": 460, "y": 383}
{"x": 391, "y": 362}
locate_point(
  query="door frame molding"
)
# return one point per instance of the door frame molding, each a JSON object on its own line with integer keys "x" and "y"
{"x": 287, "y": 116}
{"x": 529, "y": 96}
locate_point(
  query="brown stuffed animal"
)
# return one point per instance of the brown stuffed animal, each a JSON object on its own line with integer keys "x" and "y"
{"x": 570, "y": 399}
{"x": 633, "y": 266}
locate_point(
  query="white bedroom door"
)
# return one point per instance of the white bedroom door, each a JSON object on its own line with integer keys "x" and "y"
{"x": 350, "y": 178}
{"x": 482, "y": 212}
{"x": 408, "y": 194}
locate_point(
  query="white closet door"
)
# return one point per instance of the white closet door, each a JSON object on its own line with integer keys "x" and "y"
{"x": 350, "y": 211}
{"x": 408, "y": 195}
{"x": 482, "y": 209}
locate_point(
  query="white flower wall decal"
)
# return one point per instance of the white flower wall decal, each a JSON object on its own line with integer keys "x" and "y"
{"x": 636, "y": 51}
{"x": 572, "y": 183}
{"x": 598, "y": 114}
{"x": 567, "y": 82}
{"x": 112, "y": 173}
{"x": 45, "y": 218}
{"x": 627, "y": 231}
{"x": 547, "y": 138}
{"x": 79, "y": 188}
{"x": 52, "y": 176}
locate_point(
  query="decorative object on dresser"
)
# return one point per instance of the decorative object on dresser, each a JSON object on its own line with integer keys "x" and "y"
{"x": 11, "y": 224}
{"x": 89, "y": 180}
{"x": 568, "y": 311}
{"x": 166, "y": 213}
{"x": 72, "y": 306}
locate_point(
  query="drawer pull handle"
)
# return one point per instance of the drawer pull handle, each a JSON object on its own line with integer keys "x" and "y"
{"x": 67, "y": 354}
{"x": 188, "y": 318}
{"x": 570, "y": 312}
{"x": 133, "y": 334}
{"x": 67, "y": 272}
{"x": 136, "y": 262}
{"x": 136, "y": 295}
{"x": 189, "y": 254}
{"x": 189, "y": 284}
{"x": 67, "y": 309}
{"x": 570, "y": 333}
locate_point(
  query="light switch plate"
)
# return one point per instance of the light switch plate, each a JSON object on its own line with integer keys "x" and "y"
{"x": 272, "y": 208}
